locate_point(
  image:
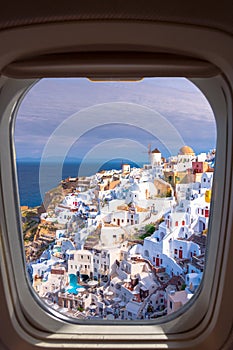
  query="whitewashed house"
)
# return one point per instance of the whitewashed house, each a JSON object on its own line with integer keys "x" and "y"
{"x": 80, "y": 262}
{"x": 104, "y": 260}
{"x": 182, "y": 249}
{"x": 112, "y": 235}
{"x": 207, "y": 180}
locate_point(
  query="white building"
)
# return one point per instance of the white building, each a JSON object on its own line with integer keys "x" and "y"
{"x": 104, "y": 260}
{"x": 175, "y": 300}
{"x": 201, "y": 157}
{"x": 184, "y": 249}
{"x": 185, "y": 158}
{"x": 132, "y": 310}
{"x": 125, "y": 168}
{"x": 41, "y": 268}
{"x": 125, "y": 217}
{"x": 80, "y": 262}
{"x": 141, "y": 191}
{"x": 57, "y": 280}
{"x": 155, "y": 158}
{"x": 183, "y": 191}
{"x": 71, "y": 201}
{"x": 170, "y": 241}
{"x": 112, "y": 235}
{"x": 207, "y": 180}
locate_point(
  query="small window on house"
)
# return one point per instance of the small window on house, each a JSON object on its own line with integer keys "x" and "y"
{"x": 82, "y": 136}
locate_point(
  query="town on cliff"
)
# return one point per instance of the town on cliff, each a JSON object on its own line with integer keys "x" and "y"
{"x": 123, "y": 244}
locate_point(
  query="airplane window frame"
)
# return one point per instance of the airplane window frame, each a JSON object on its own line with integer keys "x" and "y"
{"x": 187, "y": 323}
{"x": 25, "y": 297}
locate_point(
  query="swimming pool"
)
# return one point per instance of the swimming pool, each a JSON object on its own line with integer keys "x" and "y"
{"x": 73, "y": 285}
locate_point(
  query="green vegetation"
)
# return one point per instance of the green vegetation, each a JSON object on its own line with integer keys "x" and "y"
{"x": 144, "y": 235}
{"x": 183, "y": 287}
{"x": 30, "y": 224}
{"x": 150, "y": 228}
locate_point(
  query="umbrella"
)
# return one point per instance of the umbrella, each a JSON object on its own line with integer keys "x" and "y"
{"x": 109, "y": 293}
{"x": 92, "y": 283}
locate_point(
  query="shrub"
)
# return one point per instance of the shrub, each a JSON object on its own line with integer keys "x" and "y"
{"x": 150, "y": 229}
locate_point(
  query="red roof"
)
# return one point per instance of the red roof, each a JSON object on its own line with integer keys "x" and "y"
{"x": 156, "y": 151}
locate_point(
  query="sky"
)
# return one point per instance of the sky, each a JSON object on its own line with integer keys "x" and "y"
{"x": 80, "y": 119}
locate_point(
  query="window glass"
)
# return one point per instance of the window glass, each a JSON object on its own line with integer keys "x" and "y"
{"x": 115, "y": 182}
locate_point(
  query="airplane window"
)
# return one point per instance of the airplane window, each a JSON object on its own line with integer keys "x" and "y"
{"x": 115, "y": 181}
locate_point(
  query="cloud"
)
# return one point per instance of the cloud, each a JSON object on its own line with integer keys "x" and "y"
{"x": 52, "y": 101}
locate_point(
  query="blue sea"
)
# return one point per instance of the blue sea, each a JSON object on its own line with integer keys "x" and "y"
{"x": 28, "y": 177}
